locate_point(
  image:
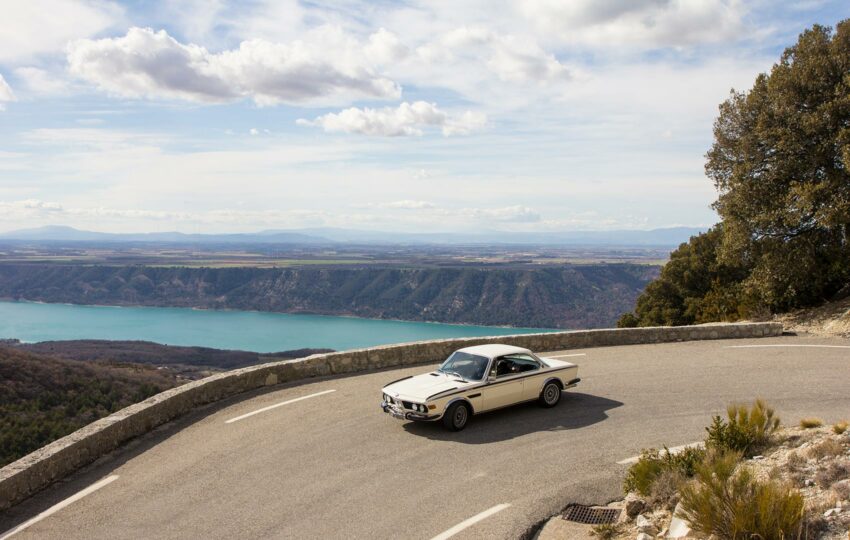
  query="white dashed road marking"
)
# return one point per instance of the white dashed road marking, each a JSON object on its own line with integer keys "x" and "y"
{"x": 275, "y": 406}
{"x": 471, "y": 521}
{"x": 59, "y": 506}
{"x": 674, "y": 450}
{"x": 787, "y": 345}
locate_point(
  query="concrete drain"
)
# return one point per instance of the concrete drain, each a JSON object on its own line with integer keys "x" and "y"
{"x": 592, "y": 515}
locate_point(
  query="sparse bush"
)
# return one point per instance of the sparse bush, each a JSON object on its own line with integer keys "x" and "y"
{"x": 664, "y": 491}
{"x": 835, "y": 471}
{"x": 827, "y": 448}
{"x": 643, "y": 473}
{"x": 652, "y": 463}
{"x": 811, "y": 422}
{"x": 733, "y": 505}
{"x": 839, "y": 427}
{"x": 747, "y": 430}
{"x": 815, "y": 524}
{"x": 794, "y": 461}
{"x": 842, "y": 489}
{"x": 606, "y": 531}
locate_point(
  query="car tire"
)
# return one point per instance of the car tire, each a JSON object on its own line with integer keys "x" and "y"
{"x": 457, "y": 416}
{"x": 551, "y": 395}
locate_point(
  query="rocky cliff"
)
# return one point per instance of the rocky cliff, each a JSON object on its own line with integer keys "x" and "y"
{"x": 566, "y": 296}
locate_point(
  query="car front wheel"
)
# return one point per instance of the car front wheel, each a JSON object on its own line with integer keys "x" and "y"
{"x": 551, "y": 394}
{"x": 457, "y": 416}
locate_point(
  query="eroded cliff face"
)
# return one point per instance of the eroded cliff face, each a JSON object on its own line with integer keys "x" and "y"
{"x": 581, "y": 296}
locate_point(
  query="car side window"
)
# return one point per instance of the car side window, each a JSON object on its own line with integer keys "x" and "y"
{"x": 502, "y": 367}
{"x": 523, "y": 363}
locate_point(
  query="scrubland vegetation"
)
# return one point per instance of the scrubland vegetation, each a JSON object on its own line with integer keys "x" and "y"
{"x": 751, "y": 479}
{"x": 43, "y": 399}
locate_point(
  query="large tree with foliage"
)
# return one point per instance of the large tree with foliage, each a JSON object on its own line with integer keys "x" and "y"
{"x": 781, "y": 164}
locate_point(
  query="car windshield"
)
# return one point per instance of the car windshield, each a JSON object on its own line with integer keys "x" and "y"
{"x": 467, "y": 366}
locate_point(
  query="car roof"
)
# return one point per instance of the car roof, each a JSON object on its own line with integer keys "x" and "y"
{"x": 493, "y": 350}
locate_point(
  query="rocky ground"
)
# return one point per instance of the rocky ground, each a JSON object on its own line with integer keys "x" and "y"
{"x": 831, "y": 319}
{"x": 815, "y": 461}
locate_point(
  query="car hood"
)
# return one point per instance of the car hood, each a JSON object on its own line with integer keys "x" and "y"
{"x": 421, "y": 387}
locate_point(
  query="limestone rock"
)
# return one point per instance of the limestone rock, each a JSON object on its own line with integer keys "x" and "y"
{"x": 634, "y": 505}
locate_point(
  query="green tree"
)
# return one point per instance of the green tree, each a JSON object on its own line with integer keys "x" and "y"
{"x": 694, "y": 287}
{"x": 780, "y": 162}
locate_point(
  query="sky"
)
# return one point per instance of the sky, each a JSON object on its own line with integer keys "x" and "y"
{"x": 516, "y": 115}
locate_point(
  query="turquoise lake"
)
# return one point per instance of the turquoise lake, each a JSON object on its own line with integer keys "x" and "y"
{"x": 245, "y": 330}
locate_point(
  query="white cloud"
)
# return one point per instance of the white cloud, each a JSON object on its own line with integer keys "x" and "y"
{"x": 406, "y": 119}
{"x": 328, "y": 67}
{"x": 645, "y": 23}
{"x": 6, "y": 93}
{"x": 41, "y": 82}
{"x": 508, "y": 214}
{"x": 384, "y": 47}
{"x": 34, "y": 27}
{"x": 408, "y": 204}
{"x": 510, "y": 57}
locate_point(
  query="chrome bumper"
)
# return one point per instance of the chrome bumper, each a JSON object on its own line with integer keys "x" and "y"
{"x": 397, "y": 412}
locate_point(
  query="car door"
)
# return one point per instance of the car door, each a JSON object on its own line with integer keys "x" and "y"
{"x": 533, "y": 375}
{"x": 504, "y": 385}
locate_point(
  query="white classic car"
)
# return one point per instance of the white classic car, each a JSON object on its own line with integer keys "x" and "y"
{"x": 478, "y": 379}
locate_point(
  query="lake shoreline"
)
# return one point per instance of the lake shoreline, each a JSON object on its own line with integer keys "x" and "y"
{"x": 259, "y": 332}
{"x": 345, "y": 315}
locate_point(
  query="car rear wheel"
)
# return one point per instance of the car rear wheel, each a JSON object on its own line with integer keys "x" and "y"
{"x": 457, "y": 416}
{"x": 551, "y": 394}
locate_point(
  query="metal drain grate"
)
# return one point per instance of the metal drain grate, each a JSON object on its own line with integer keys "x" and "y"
{"x": 592, "y": 515}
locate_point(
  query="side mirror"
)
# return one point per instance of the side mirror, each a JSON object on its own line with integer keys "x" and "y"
{"x": 490, "y": 378}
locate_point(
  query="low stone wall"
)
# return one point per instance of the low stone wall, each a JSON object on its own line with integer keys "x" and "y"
{"x": 60, "y": 458}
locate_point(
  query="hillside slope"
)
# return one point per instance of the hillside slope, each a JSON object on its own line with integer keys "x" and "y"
{"x": 43, "y": 399}
{"x": 565, "y": 296}
{"x": 146, "y": 352}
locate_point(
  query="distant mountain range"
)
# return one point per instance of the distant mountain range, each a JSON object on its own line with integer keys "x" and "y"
{"x": 672, "y": 236}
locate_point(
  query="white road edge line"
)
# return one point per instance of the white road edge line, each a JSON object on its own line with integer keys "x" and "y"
{"x": 674, "y": 450}
{"x": 471, "y": 521}
{"x": 787, "y": 345}
{"x": 275, "y": 406}
{"x": 565, "y": 355}
{"x": 59, "y": 506}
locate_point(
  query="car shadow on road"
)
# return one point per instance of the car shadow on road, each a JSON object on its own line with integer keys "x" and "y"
{"x": 576, "y": 410}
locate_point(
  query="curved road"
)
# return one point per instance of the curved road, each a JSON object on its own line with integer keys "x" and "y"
{"x": 334, "y": 466}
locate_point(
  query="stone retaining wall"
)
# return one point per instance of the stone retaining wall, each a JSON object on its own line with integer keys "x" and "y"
{"x": 60, "y": 458}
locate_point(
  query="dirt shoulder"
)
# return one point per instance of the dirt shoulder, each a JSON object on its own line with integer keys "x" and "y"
{"x": 831, "y": 319}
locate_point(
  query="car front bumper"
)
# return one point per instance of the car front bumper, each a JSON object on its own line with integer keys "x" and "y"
{"x": 397, "y": 412}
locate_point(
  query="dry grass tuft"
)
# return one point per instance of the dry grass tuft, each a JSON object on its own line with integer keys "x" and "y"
{"x": 665, "y": 489}
{"x": 839, "y": 427}
{"x": 811, "y": 422}
{"x": 828, "y": 448}
{"x": 794, "y": 461}
{"x": 832, "y": 473}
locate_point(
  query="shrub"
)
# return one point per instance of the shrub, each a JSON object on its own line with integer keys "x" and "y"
{"x": 828, "y": 448}
{"x": 835, "y": 471}
{"x": 652, "y": 463}
{"x": 733, "y": 505}
{"x": 643, "y": 473}
{"x": 811, "y": 422}
{"x": 606, "y": 531}
{"x": 747, "y": 430}
{"x": 664, "y": 491}
{"x": 839, "y": 427}
{"x": 794, "y": 461}
{"x": 842, "y": 489}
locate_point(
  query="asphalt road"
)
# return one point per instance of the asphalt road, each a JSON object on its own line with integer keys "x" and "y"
{"x": 335, "y": 466}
